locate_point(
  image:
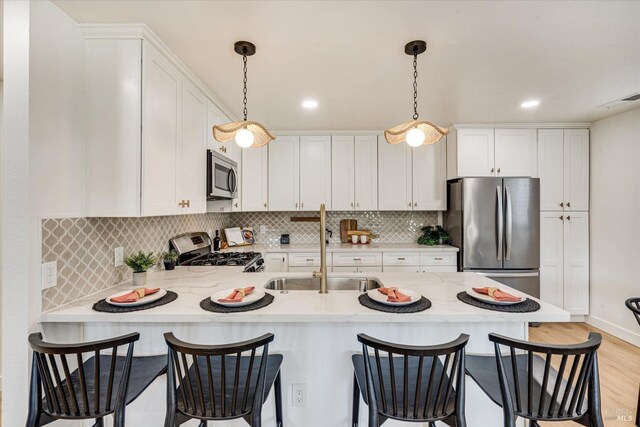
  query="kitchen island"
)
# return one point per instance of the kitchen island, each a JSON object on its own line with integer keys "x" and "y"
{"x": 315, "y": 333}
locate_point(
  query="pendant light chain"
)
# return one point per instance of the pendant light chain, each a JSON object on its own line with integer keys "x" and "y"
{"x": 244, "y": 91}
{"x": 415, "y": 83}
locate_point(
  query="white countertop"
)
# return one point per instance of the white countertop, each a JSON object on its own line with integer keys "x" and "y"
{"x": 196, "y": 283}
{"x": 346, "y": 247}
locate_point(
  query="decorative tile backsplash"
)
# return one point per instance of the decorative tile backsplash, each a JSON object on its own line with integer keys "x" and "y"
{"x": 83, "y": 249}
{"x": 400, "y": 226}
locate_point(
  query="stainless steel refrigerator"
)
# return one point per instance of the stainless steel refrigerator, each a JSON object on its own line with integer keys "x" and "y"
{"x": 496, "y": 224}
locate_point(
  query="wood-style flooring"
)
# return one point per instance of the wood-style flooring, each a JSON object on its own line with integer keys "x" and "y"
{"x": 619, "y": 369}
{"x": 619, "y": 364}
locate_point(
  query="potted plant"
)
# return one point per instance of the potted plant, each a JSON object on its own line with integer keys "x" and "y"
{"x": 433, "y": 235}
{"x": 169, "y": 259}
{"x": 140, "y": 263}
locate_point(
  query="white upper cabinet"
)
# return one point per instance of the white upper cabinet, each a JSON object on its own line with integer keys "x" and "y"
{"x": 284, "y": 173}
{"x": 395, "y": 191}
{"x": 342, "y": 173}
{"x": 192, "y": 151}
{"x": 471, "y": 152}
{"x": 563, "y": 168}
{"x": 430, "y": 177}
{"x": 315, "y": 172}
{"x": 576, "y": 263}
{"x": 161, "y": 102}
{"x": 576, "y": 169}
{"x": 366, "y": 172}
{"x": 354, "y": 169}
{"x": 515, "y": 152}
{"x": 550, "y": 169}
{"x": 255, "y": 178}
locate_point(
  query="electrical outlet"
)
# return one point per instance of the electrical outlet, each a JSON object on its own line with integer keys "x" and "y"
{"x": 118, "y": 256}
{"x": 263, "y": 229}
{"x": 298, "y": 395}
{"x": 49, "y": 274}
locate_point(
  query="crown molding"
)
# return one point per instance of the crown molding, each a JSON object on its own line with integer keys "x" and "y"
{"x": 570, "y": 125}
{"x": 143, "y": 32}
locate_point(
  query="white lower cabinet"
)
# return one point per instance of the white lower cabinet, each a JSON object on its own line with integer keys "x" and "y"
{"x": 276, "y": 262}
{"x": 564, "y": 260}
{"x": 420, "y": 262}
{"x": 364, "y": 259}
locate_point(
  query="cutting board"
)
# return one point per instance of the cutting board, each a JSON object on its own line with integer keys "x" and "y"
{"x": 345, "y": 226}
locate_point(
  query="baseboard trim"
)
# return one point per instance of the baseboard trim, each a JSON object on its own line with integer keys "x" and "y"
{"x": 622, "y": 333}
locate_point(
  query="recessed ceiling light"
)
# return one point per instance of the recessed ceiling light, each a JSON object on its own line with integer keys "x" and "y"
{"x": 530, "y": 104}
{"x": 310, "y": 104}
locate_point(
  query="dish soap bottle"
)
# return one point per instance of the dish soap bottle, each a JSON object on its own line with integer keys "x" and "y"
{"x": 216, "y": 242}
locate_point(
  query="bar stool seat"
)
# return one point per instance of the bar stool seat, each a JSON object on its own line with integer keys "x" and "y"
{"x": 101, "y": 384}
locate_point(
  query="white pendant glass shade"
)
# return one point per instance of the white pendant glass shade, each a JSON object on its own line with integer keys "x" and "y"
{"x": 415, "y": 137}
{"x": 244, "y": 138}
{"x": 245, "y": 133}
{"x": 415, "y": 133}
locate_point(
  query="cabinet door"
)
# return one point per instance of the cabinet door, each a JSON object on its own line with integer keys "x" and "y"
{"x": 366, "y": 172}
{"x": 475, "y": 152}
{"x": 514, "y": 152}
{"x": 284, "y": 174}
{"x": 276, "y": 263}
{"x": 552, "y": 258}
{"x": 254, "y": 179}
{"x": 576, "y": 263}
{"x": 192, "y": 151}
{"x": 550, "y": 169}
{"x": 161, "y": 100}
{"x": 401, "y": 269}
{"x": 315, "y": 172}
{"x": 342, "y": 173}
{"x": 394, "y": 176}
{"x": 576, "y": 169}
{"x": 430, "y": 177}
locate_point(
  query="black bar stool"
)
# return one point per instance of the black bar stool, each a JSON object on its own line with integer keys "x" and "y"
{"x": 220, "y": 383}
{"x": 633, "y": 304}
{"x": 522, "y": 381}
{"x": 101, "y": 385}
{"x": 410, "y": 383}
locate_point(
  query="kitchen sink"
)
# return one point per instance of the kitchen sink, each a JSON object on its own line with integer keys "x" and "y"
{"x": 361, "y": 284}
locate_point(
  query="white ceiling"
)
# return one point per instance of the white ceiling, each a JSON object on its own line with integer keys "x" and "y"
{"x": 483, "y": 60}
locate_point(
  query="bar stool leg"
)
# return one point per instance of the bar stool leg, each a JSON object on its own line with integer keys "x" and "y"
{"x": 35, "y": 396}
{"x": 355, "y": 405}
{"x": 638, "y": 411}
{"x": 278, "y": 396}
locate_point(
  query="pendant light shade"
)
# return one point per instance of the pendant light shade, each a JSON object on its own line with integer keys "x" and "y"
{"x": 246, "y": 133}
{"x": 415, "y": 132}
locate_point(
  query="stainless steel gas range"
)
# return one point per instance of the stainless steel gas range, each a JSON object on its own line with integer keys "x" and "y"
{"x": 194, "y": 249}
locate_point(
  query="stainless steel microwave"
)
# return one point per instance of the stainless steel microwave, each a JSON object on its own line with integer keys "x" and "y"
{"x": 222, "y": 177}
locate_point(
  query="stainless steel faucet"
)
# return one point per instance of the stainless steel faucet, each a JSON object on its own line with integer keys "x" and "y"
{"x": 322, "y": 274}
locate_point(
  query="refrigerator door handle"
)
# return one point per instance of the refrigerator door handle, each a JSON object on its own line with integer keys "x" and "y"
{"x": 500, "y": 221}
{"x": 509, "y": 222}
{"x": 528, "y": 274}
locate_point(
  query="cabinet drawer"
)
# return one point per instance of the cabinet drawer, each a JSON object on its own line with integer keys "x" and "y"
{"x": 401, "y": 269}
{"x": 430, "y": 258}
{"x": 357, "y": 259}
{"x": 400, "y": 258}
{"x": 306, "y": 259}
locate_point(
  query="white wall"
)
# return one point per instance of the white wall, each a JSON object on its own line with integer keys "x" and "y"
{"x": 615, "y": 223}
{"x": 42, "y": 168}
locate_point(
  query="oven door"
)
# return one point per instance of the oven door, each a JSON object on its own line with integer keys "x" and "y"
{"x": 222, "y": 177}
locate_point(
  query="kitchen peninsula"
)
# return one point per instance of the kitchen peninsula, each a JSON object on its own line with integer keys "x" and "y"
{"x": 315, "y": 333}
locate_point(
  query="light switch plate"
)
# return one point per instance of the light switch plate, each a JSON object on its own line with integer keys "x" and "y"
{"x": 49, "y": 274}
{"x": 118, "y": 256}
{"x": 263, "y": 229}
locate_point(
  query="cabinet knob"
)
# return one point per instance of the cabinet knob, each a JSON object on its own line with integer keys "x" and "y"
{"x": 296, "y": 204}
{"x": 358, "y": 204}
{"x": 415, "y": 204}
{"x": 492, "y": 170}
{"x": 568, "y": 204}
{"x": 498, "y": 170}
{"x": 561, "y": 218}
{"x": 568, "y": 217}
{"x": 236, "y": 204}
{"x": 562, "y": 204}
{"x": 351, "y": 204}
{"x": 184, "y": 203}
{"x": 265, "y": 205}
{"x": 302, "y": 205}
{"x": 409, "y": 204}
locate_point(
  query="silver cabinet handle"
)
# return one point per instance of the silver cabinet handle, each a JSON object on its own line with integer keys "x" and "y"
{"x": 308, "y": 259}
{"x": 296, "y": 205}
{"x": 509, "y": 221}
{"x": 500, "y": 221}
{"x": 358, "y": 204}
{"x": 351, "y": 204}
{"x": 438, "y": 259}
{"x": 302, "y": 205}
{"x": 357, "y": 259}
{"x": 401, "y": 259}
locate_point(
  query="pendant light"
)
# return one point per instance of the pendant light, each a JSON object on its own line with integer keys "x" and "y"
{"x": 415, "y": 132}
{"x": 246, "y": 133}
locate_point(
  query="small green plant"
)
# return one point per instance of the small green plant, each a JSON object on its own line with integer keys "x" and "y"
{"x": 433, "y": 235}
{"x": 171, "y": 256}
{"x": 141, "y": 262}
